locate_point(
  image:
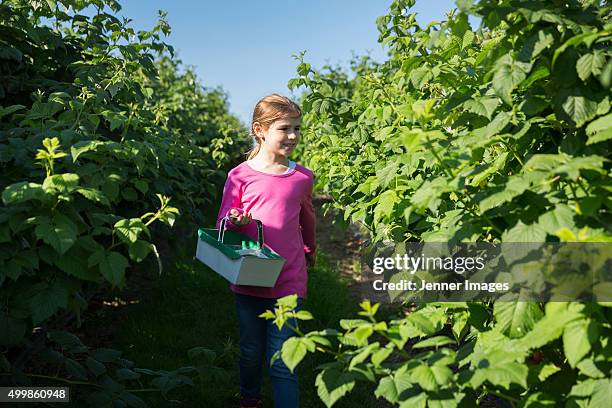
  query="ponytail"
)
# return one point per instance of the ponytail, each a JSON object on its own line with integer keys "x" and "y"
{"x": 256, "y": 147}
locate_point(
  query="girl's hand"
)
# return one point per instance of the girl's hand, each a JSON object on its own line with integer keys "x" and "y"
{"x": 311, "y": 259}
{"x": 239, "y": 218}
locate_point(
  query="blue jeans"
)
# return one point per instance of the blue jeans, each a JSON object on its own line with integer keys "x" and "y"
{"x": 259, "y": 337}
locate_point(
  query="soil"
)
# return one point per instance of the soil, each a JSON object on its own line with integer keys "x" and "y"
{"x": 343, "y": 247}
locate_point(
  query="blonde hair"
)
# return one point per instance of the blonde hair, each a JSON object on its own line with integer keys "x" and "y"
{"x": 268, "y": 110}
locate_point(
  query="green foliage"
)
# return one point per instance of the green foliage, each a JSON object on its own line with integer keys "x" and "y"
{"x": 463, "y": 134}
{"x": 498, "y": 134}
{"x": 511, "y": 354}
{"x": 108, "y": 378}
{"x": 99, "y": 126}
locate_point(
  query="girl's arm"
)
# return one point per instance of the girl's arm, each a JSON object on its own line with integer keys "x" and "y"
{"x": 232, "y": 198}
{"x": 308, "y": 224}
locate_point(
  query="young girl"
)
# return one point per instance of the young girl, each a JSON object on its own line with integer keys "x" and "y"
{"x": 278, "y": 192}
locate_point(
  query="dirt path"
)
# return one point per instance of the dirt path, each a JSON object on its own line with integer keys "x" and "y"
{"x": 343, "y": 248}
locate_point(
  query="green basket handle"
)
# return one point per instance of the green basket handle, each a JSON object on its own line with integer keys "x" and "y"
{"x": 260, "y": 237}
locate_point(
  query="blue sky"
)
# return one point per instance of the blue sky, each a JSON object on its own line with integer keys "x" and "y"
{"x": 246, "y": 47}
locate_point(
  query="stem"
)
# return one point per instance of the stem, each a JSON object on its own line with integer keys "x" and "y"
{"x": 54, "y": 378}
{"x": 514, "y": 153}
{"x": 156, "y": 216}
{"x": 144, "y": 390}
{"x": 127, "y": 125}
{"x": 502, "y": 395}
{"x": 581, "y": 185}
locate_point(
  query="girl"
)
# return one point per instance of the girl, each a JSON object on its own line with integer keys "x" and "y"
{"x": 271, "y": 188}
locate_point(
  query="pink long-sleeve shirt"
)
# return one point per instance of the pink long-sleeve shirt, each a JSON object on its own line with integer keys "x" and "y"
{"x": 283, "y": 203}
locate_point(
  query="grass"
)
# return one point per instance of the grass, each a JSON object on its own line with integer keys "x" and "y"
{"x": 191, "y": 306}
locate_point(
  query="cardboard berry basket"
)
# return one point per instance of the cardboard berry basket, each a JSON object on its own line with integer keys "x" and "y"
{"x": 237, "y": 257}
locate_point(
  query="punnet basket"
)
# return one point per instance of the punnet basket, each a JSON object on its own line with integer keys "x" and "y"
{"x": 237, "y": 257}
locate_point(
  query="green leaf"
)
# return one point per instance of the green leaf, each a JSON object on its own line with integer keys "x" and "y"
{"x": 47, "y": 301}
{"x": 123, "y": 374}
{"x": 59, "y": 232}
{"x": 363, "y": 355}
{"x": 606, "y": 75}
{"x": 133, "y": 401}
{"x": 490, "y": 168}
{"x": 602, "y": 393}
{"x": 10, "y": 109}
{"x": 67, "y": 341}
{"x": 106, "y": 355}
{"x": 5, "y": 234}
{"x": 560, "y": 217}
{"x": 111, "y": 189}
{"x": 577, "y": 339}
{"x": 515, "y": 186}
{"x": 576, "y": 164}
{"x": 435, "y": 341}
{"x": 577, "y": 39}
{"x": 550, "y": 327}
{"x": 468, "y": 38}
{"x": 293, "y": 351}
{"x": 516, "y": 318}
{"x": 460, "y": 319}
{"x": 129, "y": 194}
{"x": 420, "y": 76}
{"x": 572, "y": 105}
{"x": 428, "y": 194}
{"x": 600, "y": 129}
{"x": 23, "y": 191}
{"x": 483, "y": 106}
{"x": 424, "y": 376}
{"x": 583, "y": 388}
{"x": 540, "y": 72}
{"x": 93, "y": 195}
{"x": 379, "y": 356}
{"x": 494, "y": 127}
{"x": 82, "y": 147}
{"x": 130, "y": 229}
{"x": 524, "y": 233}
{"x": 547, "y": 370}
{"x": 502, "y": 374}
{"x": 12, "y": 330}
{"x": 590, "y": 64}
{"x": 540, "y": 400}
{"x": 304, "y": 315}
{"x": 288, "y": 302}
{"x": 332, "y": 384}
{"x": 52, "y": 5}
{"x": 388, "y": 173}
{"x": 75, "y": 369}
{"x": 387, "y": 389}
{"x": 509, "y": 73}
{"x": 362, "y": 333}
{"x": 420, "y": 401}
{"x": 61, "y": 183}
{"x": 112, "y": 266}
{"x": 142, "y": 186}
{"x": 590, "y": 369}
{"x": 139, "y": 250}
{"x": 535, "y": 45}
{"x": 72, "y": 262}
{"x": 386, "y": 204}
{"x": 96, "y": 367}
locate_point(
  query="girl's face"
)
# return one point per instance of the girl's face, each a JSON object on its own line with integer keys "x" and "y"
{"x": 282, "y": 137}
